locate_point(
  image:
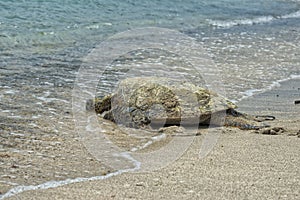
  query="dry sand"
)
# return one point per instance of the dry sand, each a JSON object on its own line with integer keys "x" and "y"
{"x": 243, "y": 164}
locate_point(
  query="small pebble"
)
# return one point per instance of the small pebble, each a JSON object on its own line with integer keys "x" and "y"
{"x": 14, "y": 166}
{"x": 198, "y": 133}
{"x": 157, "y": 182}
{"x": 103, "y": 173}
{"x": 5, "y": 176}
{"x": 140, "y": 184}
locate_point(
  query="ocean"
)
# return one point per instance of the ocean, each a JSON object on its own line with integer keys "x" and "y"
{"x": 43, "y": 44}
{"x": 49, "y": 39}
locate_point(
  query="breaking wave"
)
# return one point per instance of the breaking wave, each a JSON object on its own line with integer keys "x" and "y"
{"x": 257, "y": 20}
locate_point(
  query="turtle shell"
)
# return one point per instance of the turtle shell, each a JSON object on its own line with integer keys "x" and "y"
{"x": 141, "y": 101}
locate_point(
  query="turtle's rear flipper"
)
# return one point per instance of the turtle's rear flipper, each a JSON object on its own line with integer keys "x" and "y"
{"x": 261, "y": 118}
{"x": 243, "y": 123}
{"x": 252, "y": 127}
{"x": 258, "y": 118}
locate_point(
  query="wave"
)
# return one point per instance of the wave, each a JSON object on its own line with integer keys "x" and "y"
{"x": 248, "y": 21}
{"x": 252, "y": 92}
{"x": 291, "y": 15}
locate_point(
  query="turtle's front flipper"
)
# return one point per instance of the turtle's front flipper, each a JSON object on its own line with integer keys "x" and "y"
{"x": 99, "y": 105}
{"x": 242, "y": 121}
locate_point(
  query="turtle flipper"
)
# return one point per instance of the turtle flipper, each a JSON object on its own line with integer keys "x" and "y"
{"x": 99, "y": 105}
{"x": 261, "y": 118}
{"x": 243, "y": 121}
{"x": 243, "y": 124}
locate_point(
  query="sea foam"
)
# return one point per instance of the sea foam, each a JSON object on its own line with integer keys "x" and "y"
{"x": 251, "y": 92}
{"x": 251, "y": 21}
{"x": 54, "y": 184}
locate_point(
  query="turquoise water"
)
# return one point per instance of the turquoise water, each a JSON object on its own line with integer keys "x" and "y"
{"x": 45, "y": 26}
{"x": 36, "y": 33}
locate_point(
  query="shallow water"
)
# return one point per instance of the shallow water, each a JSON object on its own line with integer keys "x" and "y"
{"x": 43, "y": 45}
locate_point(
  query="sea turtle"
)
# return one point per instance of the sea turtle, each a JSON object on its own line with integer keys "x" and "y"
{"x": 150, "y": 101}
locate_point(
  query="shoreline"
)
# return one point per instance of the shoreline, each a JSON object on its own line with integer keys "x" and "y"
{"x": 54, "y": 184}
{"x": 252, "y": 92}
{"x": 231, "y": 135}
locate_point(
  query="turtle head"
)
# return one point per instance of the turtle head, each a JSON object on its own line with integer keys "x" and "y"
{"x": 98, "y": 104}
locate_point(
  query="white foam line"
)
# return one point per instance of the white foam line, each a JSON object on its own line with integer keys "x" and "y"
{"x": 153, "y": 139}
{"x": 54, "y": 184}
{"x": 229, "y": 24}
{"x": 46, "y": 99}
{"x": 292, "y": 15}
{"x": 251, "y": 92}
{"x": 257, "y": 20}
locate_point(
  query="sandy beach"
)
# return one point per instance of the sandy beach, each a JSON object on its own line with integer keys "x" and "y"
{"x": 243, "y": 164}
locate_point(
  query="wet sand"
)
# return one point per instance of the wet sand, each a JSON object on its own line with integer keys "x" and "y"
{"x": 243, "y": 164}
